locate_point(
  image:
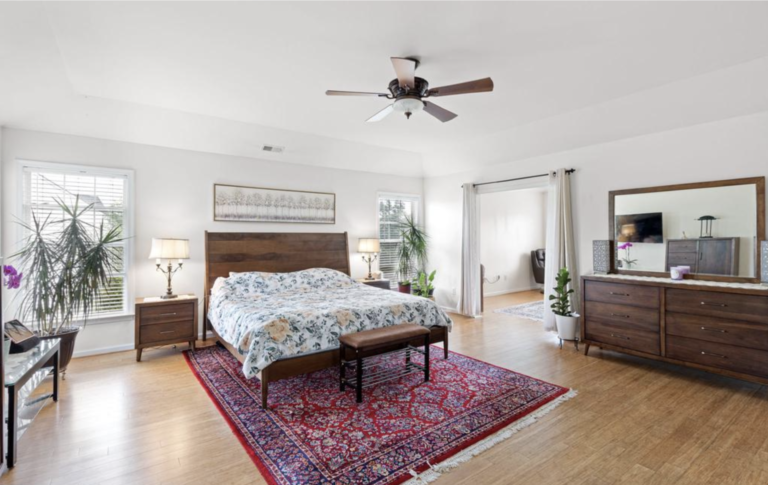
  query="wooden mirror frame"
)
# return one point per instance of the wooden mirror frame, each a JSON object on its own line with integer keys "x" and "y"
{"x": 759, "y": 183}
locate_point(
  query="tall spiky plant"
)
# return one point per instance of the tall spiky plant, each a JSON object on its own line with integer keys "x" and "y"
{"x": 413, "y": 248}
{"x": 66, "y": 268}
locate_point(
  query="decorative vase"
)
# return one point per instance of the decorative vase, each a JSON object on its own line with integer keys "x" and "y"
{"x": 67, "y": 345}
{"x": 566, "y": 326}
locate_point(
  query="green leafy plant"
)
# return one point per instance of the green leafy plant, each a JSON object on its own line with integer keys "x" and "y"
{"x": 67, "y": 262}
{"x": 412, "y": 251}
{"x": 422, "y": 285}
{"x": 562, "y": 298}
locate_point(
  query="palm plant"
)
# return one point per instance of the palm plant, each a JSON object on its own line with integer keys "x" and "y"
{"x": 412, "y": 250}
{"x": 67, "y": 267}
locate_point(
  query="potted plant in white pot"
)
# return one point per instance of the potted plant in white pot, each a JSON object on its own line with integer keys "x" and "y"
{"x": 68, "y": 263}
{"x": 566, "y": 320}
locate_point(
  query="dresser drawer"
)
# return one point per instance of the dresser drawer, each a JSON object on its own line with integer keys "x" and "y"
{"x": 167, "y": 331}
{"x": 714, "y": 304}
{"x": 176, "y": 312}
{"x": 722, "y": 356}
{"x": 626, "y": 337}
{"x": 636, "y": 295}
{"x": 732, "y": 332}
{"x": 682, "y": 247}
{"x": 682, "y": 259}
{"x": 624, "y": 316}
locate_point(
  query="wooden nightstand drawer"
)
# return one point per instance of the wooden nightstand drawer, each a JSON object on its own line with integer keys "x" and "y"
{"x": 167, "y": 331}
{"x": 175, "y": 312}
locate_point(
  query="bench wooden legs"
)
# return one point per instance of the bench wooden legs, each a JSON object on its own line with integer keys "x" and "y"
{"x": 426, "y": 358}
{"x": 359, "y": 377}
{"x": 445, "y": 344}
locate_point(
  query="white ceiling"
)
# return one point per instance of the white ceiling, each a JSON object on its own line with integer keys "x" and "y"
{"x": 265, "y": 66}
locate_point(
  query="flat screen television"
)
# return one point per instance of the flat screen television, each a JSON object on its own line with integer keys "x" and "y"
{"x": 640, "y": 228}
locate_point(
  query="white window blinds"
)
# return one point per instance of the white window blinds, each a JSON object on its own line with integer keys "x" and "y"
{"x": 106, "y": 192}
{"x": 393, "y": 209}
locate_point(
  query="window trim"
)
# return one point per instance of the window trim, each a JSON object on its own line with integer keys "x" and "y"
{"x": 128, "y": 218}
{"x": 415, "y": 198}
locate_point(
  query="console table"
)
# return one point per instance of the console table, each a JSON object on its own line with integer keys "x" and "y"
{"x": 23, "y": 375}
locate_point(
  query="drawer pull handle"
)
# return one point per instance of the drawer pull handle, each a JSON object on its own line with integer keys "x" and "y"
{"x": 174, "y": 313}
{"x": 714, "y": 330}
{"x": 168, "y": 331}
{"x": 714, "y": 355}
{"x": 618, "y": 294}
{"x": 714, "y": 304}
{"x": 620, "y": 336}
{"x": 619, "y": 315}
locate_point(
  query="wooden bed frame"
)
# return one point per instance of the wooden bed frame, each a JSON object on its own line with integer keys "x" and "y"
{"x": 281, "y": 252}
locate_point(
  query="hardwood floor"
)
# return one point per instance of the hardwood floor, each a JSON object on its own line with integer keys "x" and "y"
{"x": 634, "y": 421}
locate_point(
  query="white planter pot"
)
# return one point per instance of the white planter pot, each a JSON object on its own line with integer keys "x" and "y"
{"x": 567, "y": 326}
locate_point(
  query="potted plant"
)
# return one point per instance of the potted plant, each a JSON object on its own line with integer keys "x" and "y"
{"x": 422, "y": 285}
{"x": 412, "y": 251}
{"x": 68, "y": 262}
{"x": 565, "y": 318}
{"x": 627, "y": 260}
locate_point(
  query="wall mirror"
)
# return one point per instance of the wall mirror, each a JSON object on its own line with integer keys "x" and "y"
{"x": 714, "y": 228}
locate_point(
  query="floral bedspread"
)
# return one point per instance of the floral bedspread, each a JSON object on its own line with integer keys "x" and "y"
{"x": 269, "y": 316}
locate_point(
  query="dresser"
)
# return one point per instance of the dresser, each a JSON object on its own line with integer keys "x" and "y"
{"x": 164, "y": 322}
{"x": 720, "y": 328}
{"x": 383, "y": 284}
{"x": 714, "y": 256}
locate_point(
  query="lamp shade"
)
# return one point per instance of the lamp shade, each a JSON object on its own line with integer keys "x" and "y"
{"x": 368, "y": 246}
{"x": 169, "y": 249}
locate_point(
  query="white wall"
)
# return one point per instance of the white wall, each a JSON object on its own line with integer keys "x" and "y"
{"x": 512, "y": 224}
{"x": 732, "y": 148}
{"x": 734, "y": 206}
{"x": 174, "y": 198}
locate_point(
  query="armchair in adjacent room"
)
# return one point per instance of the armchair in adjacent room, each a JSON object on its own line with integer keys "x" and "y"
{"x": 538, "y": 257}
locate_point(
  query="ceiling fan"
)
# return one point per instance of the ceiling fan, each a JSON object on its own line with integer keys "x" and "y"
{"x": 410, "y": 92}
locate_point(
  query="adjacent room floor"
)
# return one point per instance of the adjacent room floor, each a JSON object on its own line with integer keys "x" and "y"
{"x": 634, "y": 421}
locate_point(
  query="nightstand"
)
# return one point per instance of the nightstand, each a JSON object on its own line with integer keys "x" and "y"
{"x": 383, "y": 284}
{"x": 164, "y": 322}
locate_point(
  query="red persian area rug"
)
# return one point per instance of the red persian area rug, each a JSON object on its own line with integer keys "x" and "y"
{"x": 315, "y": 434}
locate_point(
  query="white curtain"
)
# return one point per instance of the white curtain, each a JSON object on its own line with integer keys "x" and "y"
{"x": 561, "y": 251}
{"x": 469, "y": 302}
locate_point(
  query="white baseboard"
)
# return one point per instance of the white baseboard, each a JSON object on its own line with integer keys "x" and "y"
{"x": 514, "y": 290}
{"x": 115, "y": 348}
{"x": 102, "y": 350}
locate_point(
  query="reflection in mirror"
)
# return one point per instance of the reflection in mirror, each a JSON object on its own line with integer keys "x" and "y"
{"x": 712, "y": 230}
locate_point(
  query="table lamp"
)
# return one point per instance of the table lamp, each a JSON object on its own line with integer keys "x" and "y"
{"x": 370, "y": 249}
{"x": 169, "y": 249}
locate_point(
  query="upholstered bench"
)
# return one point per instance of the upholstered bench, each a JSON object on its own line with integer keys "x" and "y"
{"x": 356, "y": 348}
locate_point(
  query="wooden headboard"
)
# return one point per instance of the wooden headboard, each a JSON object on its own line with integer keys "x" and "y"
{"x": 272, "y": 252}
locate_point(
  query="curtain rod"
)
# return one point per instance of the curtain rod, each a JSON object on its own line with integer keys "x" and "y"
{"x": 569, "y": 171}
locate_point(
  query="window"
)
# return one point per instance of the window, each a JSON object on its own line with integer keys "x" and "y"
{"x": 392, "y": 209}
{"x": 107, "y": 191}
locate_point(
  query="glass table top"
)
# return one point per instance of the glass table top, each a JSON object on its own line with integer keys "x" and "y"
{"x": 17, "y": 365}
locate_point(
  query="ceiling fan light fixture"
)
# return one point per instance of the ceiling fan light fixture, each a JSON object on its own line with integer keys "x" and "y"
{"x": 408, "y": 105}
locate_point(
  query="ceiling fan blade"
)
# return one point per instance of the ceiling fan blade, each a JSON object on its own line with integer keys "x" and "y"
{"x": 381, "y": 114}
{"x": 441, "y": 114}
{"x": 477, "y": 86}
{"x": 330, "y": 92}
{"x": 406, "y": 71}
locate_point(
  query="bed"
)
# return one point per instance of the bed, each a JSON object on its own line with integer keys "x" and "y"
{"x": 287, "y": 322}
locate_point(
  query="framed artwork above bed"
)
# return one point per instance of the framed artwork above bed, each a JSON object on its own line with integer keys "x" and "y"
{"x": 236, "y": 203}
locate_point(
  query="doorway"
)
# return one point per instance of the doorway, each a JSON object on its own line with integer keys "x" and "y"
{"x": 513, "y": 235}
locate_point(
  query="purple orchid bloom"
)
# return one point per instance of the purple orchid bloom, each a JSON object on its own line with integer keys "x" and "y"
{"x": 12, "y": 278}
{"x": 626, "y": 245}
